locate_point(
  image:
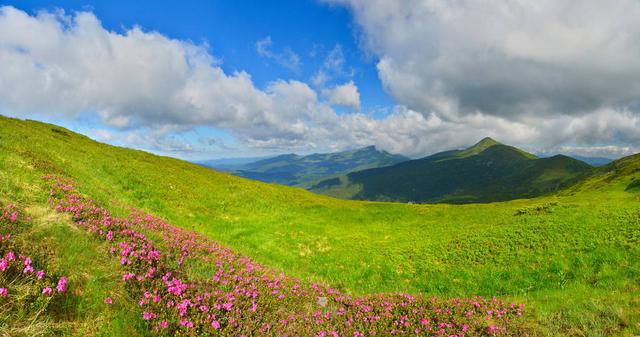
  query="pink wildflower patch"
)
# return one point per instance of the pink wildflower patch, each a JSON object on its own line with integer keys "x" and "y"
{"x": 160, "y": 258}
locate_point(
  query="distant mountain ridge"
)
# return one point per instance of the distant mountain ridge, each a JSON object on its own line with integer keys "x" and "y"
{"x": 487, "y": 171}
{"x": 303, "y": 170}
{"x": 593, "y": 161}
{"x": 229, "y": 164}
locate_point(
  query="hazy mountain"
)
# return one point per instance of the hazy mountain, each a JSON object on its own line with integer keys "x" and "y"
{"x": 229, "y": 164}
{"x": 593, "y": 161}
{"x": 297, "y": 170}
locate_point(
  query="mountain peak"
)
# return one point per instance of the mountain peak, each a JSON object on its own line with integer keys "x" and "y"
{"x": 480, "y": 146}
{"x": 486, "y": 142}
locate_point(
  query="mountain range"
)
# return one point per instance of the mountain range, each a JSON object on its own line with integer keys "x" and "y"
{"x": 297, "y": 170}
{"x": 485, "y": 172}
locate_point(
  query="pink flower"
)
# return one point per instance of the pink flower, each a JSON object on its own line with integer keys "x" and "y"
{"x": 108, "y": 300}
{"x": 40, "y": 274}
{"x": 13, "y": 217}
{"x": 3, "y": 292}
{"x": 27, "y": 270}
{"x": 3, "y": 264}
{"x": 62, "y": 285}
{"x": 215, "y": 324}
{"x": 148, "y": 316}
{"x": 110, "y": 235}
{"x": 186, "y": 323}
{"x": 127, "y": 277}
{"x": 164, "y": 325}
{"x": 47, "y": 291}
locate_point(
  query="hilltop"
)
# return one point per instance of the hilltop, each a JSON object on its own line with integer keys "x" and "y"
{"x": 571, "y": 256}
{"x": 487, "y": 171}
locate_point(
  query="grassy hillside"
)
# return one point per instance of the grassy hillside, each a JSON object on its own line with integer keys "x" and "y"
{"x": 572, "y": 258}
{"x": 487, "y": 171}
{"x": 295, "y": 170}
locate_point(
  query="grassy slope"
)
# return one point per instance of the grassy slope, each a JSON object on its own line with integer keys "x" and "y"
{"x": 574, "y": 259}
{"x": 485, "y": 172}
{"x": 52, "y": 239}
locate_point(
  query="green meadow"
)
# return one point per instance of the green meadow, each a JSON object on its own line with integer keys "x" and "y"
{"x": 572, "y": 257}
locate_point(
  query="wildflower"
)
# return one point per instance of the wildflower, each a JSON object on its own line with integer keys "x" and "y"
{"x": 40, "y": 274}
{"x": 164, "y": 325}
{"x": 148, "y": 315}
{"x": 108, "y": 300}
{"x": 3, "y": 292}
{"x": 3, "y": 264}
{"x": 62, "y": 285}
{"x": 215, "y": 324}
{"x": 13, "y": 217}
{"x": 47, "y": 291}
{"x": 186, "y": 323}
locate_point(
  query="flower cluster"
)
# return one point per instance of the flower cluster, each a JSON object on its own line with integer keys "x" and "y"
{"x": 18, "y": 269}
{"x": 188, "y": 284}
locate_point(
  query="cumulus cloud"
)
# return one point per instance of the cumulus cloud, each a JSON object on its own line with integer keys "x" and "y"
{"x": 69, "y": 65}
{"x": 505, "y": 58}
{"x": 345, "y": 94}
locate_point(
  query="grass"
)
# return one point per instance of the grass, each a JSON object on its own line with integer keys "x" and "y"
{"x": 573, "y": 258}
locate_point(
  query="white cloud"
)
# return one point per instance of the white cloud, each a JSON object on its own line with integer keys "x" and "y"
{"x": 70, "y": 65}
{"x": 505, "y": 58}
{"x": 345, "y": 94}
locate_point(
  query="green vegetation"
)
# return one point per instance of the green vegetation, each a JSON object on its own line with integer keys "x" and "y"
{"x": 302, "y": 171}
{"x": 488, "y": 171}
{"x": 573, "y": 257}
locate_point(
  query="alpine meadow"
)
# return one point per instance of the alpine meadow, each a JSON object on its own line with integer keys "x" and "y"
{"x": 320, "y": 168}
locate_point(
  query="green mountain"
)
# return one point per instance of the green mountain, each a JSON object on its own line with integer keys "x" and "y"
{"x": 295, "y": 170}
{"x": 570, "y": 257}
{"x": 487, "y": 171}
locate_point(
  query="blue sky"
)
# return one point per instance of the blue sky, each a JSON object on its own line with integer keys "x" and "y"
{"x": 210, "y": 79}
